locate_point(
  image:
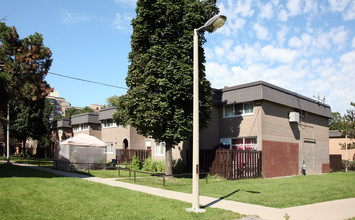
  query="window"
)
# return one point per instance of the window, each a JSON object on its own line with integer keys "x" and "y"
{"x": 81, "y": 127}
{"x": 159, "y": 149}
{"x": 109, "y": 148}
{"x": 240, "y": 109}
{"x": 248, "y": 143}
{"x": 109, "y": 123}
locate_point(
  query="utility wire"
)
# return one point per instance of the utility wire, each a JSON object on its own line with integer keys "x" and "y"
{"x": 89, "y": 81}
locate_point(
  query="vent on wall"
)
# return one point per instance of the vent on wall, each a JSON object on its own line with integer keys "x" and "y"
{"x": 294, "y": 117}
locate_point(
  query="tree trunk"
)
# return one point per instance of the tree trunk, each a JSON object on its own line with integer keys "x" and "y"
{"x": 24, "y": 148}
{"x": 4, "y": 150}
{"x": 168, "y": 159}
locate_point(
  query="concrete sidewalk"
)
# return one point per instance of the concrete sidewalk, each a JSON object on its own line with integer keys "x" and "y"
{"x": 332, "y": 210}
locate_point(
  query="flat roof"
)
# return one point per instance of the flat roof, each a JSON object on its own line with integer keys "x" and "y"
{"x": 261, "y": 90}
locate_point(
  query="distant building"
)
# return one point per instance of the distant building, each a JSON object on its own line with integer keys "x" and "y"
{"x": 59, "y": 104}
{"x": 336, "y": 141}
{"x": 96, "y": 107}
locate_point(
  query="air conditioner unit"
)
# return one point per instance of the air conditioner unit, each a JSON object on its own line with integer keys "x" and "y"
{"x": 294, "y": 117}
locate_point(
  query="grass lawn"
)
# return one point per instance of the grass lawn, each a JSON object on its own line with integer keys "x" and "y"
{"x": 278, "y": 193}
{"x": 31, "y": 194}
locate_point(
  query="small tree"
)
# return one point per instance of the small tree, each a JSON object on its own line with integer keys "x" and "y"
{"x": 31, "y": 121}
{"x": 345, "y": 124}
{"x": 159, "y": 100}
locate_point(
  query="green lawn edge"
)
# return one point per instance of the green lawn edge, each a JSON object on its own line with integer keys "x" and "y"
{"x": 32, "y": 194}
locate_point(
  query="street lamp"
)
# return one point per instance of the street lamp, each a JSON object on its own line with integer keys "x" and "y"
{"x": 215, "y": 22}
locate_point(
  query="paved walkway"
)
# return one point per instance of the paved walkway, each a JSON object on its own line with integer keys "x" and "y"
{"x": 333, "y": 210}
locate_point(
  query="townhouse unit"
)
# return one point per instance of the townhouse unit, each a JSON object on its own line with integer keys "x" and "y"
{"x": 64, "y": 129}
{"x": 116, "y": 136}
{"x": 86, "y": 123}
{"x": 287, "y": 127}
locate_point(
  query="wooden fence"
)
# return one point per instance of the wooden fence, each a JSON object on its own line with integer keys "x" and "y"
{"x": 126, "y": 156}
{"x": 229, "y": 164}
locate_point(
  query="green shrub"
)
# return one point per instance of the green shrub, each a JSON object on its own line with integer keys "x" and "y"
{"x": 148, "y": 164}
{"x": 160, "y": 166}
{"x": 151, "y": 165}
{"x": 136, "y": 164}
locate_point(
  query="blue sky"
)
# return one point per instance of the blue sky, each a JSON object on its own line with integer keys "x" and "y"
{"x": 306, "y": 46}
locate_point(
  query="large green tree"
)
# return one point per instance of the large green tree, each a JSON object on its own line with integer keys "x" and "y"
{"x": 24, "y": 64}
{"x": 159, "y": 100}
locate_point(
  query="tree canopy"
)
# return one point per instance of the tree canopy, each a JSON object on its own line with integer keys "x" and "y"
{"x": 24, "y": 64}
{"x": 345, "y": 124}
{"x": 159, "y": 100}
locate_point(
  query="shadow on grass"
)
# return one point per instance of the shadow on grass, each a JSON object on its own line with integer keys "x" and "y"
{"x": 12, "y": 170}
{"x": 226, "y": 196}
{"x": 9, "y": 170}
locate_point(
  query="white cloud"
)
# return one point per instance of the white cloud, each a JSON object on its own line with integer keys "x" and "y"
{"x": 261, "y": 32}
{"x": 218, "y": 74}
{"x": 299, "y": 56}
{"x": 346, "y": 7}
{"x": 283, "y": 16}
{"x": 232, "y": 26}
{"x": 295, "y": 42}
{"x": 310, "y": 6}
{"x": 306, "y": 39}
{"x": 275, "y": 2}
{"x": 246, "y": 54}
{"x": 338, "y": 5}
{"x": 350, "y": 12}
{"x": 220, "y": 52}
{"x": 281, "y": 35}
{"x": 71, "y": 18}
{"x": 244, "y": 8}
{"x": 281, "y": 55}
{"x": 234, "y": 13}
{"x": 338, "y": 36}
{"x": 128, "y": 2}
{"x": 294, "y": 7}
{"x": 122, "y": 22}
{"x": 266, "y": 11}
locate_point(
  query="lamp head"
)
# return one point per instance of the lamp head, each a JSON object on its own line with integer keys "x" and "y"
{"x": 216, "y": 21}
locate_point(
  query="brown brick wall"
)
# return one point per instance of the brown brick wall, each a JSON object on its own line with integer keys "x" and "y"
{"x": 325, "y": 167}
{"x": 279, "y": 159}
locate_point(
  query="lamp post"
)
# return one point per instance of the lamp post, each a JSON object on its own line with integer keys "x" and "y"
{"x": 216, "y": 22}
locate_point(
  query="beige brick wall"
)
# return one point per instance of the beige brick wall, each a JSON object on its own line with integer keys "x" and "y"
{"x": 245, "y": 126}
{"x": 137, "y": 141}
{"x": 335, "y": 148}
{"x": 276, "y": 126}
{"x": 95, "y": 130}
{"x": 114, "y": 135}
{"x": 209, "y": 137}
